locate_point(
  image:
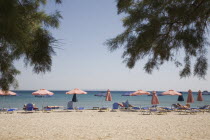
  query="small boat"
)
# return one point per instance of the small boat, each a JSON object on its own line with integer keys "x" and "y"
{"x": 158, "y": 94}
{"x": 102, "y": 94}
{"x": 205, "y": 92}
{"x": 43, "y": 96}
{"x": 127, "y": 94}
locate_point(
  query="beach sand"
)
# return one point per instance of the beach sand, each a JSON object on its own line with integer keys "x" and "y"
{"x": 94, "y": 125}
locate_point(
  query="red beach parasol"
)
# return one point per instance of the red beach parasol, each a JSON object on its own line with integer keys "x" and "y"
{"x": 190, "y": 98}
{"x": 108, "y": 96}
{"x": 42, "y": 92}
{"x": 154, "y": 100}
{"x": 7, "y": 93}
{"x": 200, "y": 97}
{"x": 76, "y": 91}
{"x": 171, "y": 92}
{"x": 140, "y": 92}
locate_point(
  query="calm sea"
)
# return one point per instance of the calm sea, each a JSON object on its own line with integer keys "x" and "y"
{"x": 89, "y": 100}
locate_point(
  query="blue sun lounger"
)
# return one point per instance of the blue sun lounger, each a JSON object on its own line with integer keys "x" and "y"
{"x": 115, "y": 107}
{"x": 29, "y": 107}
{"x": 11, "y": 110}
{"x": 80, "y": 109}
{"x": 8, "y": 110}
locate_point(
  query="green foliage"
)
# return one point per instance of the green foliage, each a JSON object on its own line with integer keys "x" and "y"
{"x": 24, "y": 34}
{"x": 159, "y": 29}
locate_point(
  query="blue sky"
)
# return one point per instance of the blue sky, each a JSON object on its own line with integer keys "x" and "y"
{"x": 85, "y": 62}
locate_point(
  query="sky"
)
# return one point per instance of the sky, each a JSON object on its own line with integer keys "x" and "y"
{"x": 83, "y": 61}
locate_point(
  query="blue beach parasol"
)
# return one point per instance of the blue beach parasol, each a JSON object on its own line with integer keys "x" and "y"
{"x": 180, "y": 98}
{"x": 74, "y": 99}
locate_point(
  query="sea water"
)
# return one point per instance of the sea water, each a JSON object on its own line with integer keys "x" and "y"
{"x": 88, "y": 101}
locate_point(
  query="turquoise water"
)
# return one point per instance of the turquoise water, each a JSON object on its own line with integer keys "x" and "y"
{"x": 89, "y": 100}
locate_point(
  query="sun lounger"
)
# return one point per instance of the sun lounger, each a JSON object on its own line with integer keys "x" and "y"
{"x": 11, "y": 110}
{"x": 153, "y": 111}
{"x": 158, "y": 111}
{"x": 69, "y": 109}
{"x": 145, "y": 111}
{"x": 194, "y": 111}
{"x": 162, "y": 111}
{"x": 135, "y": 109}
{"x": 181, "y": 109}
{"x": 1, "y": 110}
{"x": 203, "y": 109}
{"x": 167, "y": 109}
{"x": 69, "y": 106}
{"x": 47, "y": 110}
{"x": 185, "y": 111}
{"x": 115, "y": 107}
{"x": 8, "y": 110}
{"x": 104, "y": 109}
{"x": 174, "y": 106}
{"x": 29, "y": 107}
{"x": 52, "y": 108}
{"x": 80, "y": 109}
{"x": 125, "y": 105}
{"x": 96, "y": 108}
{"x": 154, "y": 106}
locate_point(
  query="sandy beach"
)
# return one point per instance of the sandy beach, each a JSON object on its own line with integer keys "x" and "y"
{"x": 94, "y": 125}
